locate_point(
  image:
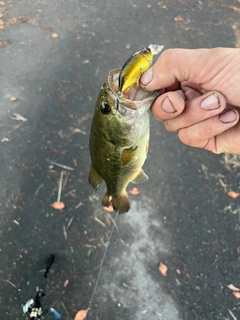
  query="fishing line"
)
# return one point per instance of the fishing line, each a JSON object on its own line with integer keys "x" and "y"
{"x": 103, "y": 258}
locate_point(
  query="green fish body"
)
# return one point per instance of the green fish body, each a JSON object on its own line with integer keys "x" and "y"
{"x": 119, "y": 140}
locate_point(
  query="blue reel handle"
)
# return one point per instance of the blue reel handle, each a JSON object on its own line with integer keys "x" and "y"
{"x": 55, "y": 314}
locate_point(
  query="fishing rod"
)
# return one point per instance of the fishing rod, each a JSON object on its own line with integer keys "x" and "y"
{"x": 33, "y": 307}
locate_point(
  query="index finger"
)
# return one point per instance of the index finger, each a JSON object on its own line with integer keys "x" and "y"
{"x": 174, "y": 66}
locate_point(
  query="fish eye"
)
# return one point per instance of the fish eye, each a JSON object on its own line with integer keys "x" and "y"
{"x": 105, "y": 108}
{"x": 146, "y": 50}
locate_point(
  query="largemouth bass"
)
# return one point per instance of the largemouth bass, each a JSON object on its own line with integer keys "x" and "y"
{"x": 119, "y": 139}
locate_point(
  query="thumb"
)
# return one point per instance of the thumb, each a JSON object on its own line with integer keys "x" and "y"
{"x": 174, "y": 66}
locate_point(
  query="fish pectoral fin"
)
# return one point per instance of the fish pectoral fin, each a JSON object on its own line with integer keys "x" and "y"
{"x": 121, "y": 203}
{"x": 94, "y": 178}
{"x": 128, "y": 155}
{"x": 141, "y": 177}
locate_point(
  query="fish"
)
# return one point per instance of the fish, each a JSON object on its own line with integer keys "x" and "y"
{"x": 136, "y": 65}
{"x": 119, "y": 139}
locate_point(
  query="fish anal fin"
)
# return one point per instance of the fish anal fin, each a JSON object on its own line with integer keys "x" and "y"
{"x": 121, "y": 203}
{"x": 141, "y": 177}
{"x": 94, "y": 178}
{"x": 106, "y": 200}
{"x": 128, "y": 155}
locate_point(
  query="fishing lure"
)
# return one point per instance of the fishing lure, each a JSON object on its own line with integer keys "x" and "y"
{"x": 136, "y": 65}
{"x": 33, "y": 308}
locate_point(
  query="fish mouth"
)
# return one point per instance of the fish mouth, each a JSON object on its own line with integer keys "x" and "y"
{"x": 134, "y": 97}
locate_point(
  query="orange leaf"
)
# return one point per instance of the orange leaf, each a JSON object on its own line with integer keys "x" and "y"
{"x": 233, "y": 288}
{"x": 134, "y": 191}
{"x": 66, "y": 283}
{"x": 236, "y": 294}
{"x": 236, "y": 9}
{"x": 233, "y": 194}
{"x": 108, "y": 209}
{"x": 178, "y": 18}
{"x": 163, "y": 269}
{"x": 12, "y": 99}
{"x": 54, "y": 35}
{"x": 81, "y": 315}
{"x": 58, "y": 205}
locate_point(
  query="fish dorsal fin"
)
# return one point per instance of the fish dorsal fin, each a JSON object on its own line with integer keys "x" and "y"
{"x": 141, "y": 177}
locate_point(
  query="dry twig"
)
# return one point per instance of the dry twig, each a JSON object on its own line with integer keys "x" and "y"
{"x": 60, "y": 165}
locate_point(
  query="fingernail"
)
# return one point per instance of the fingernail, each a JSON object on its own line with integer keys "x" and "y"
{"x": 167, "y": 106}
{"x": 146, "y": 78}
{"x": 211, "y": 102}
{"x": 228, "y": 116}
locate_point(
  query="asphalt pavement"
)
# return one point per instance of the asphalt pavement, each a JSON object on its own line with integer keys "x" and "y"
{"x": 54, "y": 57}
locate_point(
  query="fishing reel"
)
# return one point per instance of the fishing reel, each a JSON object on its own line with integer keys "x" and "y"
{"x": 35, "y": 312}
{"x": 33, "y": 308}
{"x": 32, "y": 311}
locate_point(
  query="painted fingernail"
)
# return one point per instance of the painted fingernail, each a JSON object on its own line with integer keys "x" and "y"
{"x": 211, "y": 102}
{"x": 167, "y": 106}
{"x": 228, "y": 116}
{"x": 146, "y": 78}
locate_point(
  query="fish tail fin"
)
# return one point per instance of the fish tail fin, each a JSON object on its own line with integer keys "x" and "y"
{"x": 121, "y": 203}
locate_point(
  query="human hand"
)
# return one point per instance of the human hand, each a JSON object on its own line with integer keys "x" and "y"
{"x": 201, "y": 88}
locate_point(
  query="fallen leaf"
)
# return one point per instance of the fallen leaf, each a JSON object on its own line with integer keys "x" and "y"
{"x": 134, "y": 191}
{"x": 66, "y": 283}
{"x": 81, "y": 315}
{"x": 108, "y": 209}
{"x": 1, "y": 22}
{"x": 85, "y": 61}
{"x": 236, "y": 9}
{"x": 58, "y": 205}
{"x": 178, "y": 18}
{"x": 128, "y": 46}
{"x": 17, "y": 116}
{"x": 39, "y": 10}
{"x": 5, "y": 43}
{"x": 178, "y": 271}
{"x": 233, "y": 194}
{"x": 236, "y": 294}
{"x": 1, "y": 15}
{"x": 12, "y": 99}
{"x": 233, "y": 288}
{"x": 163, "y": 269}
{"x": 54, "y": 35}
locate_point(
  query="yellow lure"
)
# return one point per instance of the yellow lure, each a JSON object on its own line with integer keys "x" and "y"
{"x": 136, "y": 65}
